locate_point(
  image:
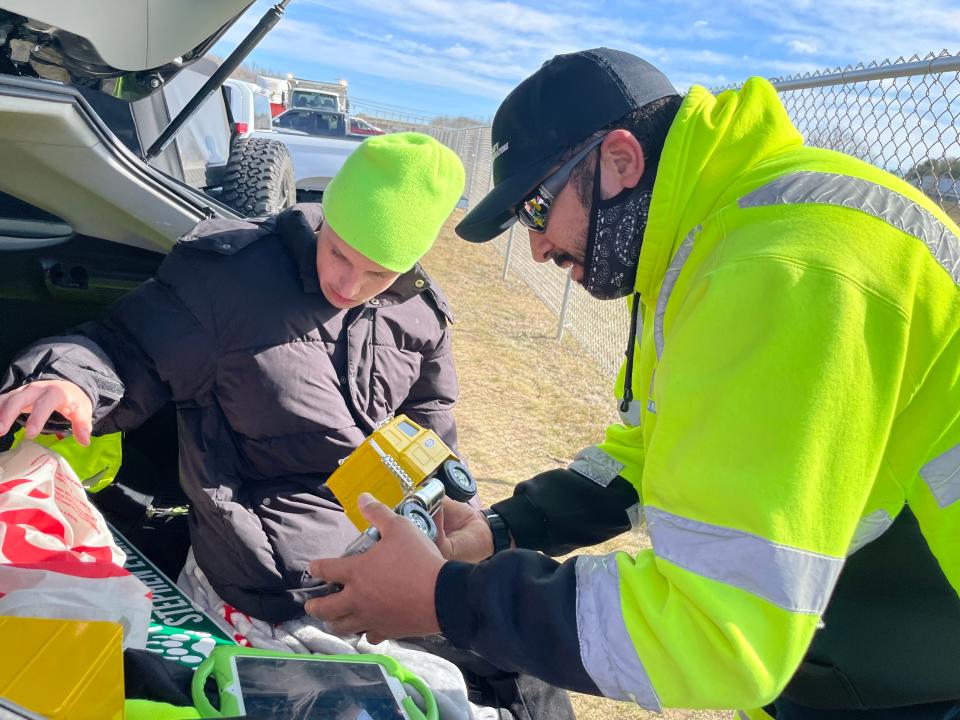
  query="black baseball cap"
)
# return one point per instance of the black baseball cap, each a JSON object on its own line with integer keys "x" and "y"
{"x": 561, "y": 104}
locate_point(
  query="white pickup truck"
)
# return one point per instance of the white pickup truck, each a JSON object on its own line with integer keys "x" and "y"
{"x": 315, "y": 159}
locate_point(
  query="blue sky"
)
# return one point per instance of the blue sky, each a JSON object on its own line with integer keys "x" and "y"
{"x": 436, "y": 57}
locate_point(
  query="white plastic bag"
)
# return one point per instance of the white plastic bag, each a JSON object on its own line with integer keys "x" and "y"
{"x": 57, "y": 557}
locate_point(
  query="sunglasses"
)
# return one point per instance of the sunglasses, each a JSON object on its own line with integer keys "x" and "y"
{"x": 532, "y": 212}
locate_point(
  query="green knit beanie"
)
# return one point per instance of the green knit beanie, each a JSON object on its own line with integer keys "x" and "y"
{"x": 391, "y": 196}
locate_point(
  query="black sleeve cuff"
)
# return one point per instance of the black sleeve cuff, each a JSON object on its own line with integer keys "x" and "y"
{"x": 526, "y": 521}
{"x": 559, "y": 511}
{"x": 76, "y": 358}
{"x": 451, "y": 602}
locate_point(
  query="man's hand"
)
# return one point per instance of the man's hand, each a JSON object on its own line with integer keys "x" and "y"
{"x": 388, "y": 590}
{"x": 41, "y": 399}
{"x": 463, "y": 533}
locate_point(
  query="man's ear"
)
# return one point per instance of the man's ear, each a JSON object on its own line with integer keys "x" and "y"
{"x": 623, "y": 162}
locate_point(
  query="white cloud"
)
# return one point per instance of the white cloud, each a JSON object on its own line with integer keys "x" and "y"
{"x": 473, "y": 46}
{"x": 800, "y": 47}
{"x": 863, "y": 30}
{"x": 401, "y": 60}
{"x": 696, "y": 59}
{"x": 457, "y": 51}
{"x": 496, "y": 28}
{"x": 484, "y": 48}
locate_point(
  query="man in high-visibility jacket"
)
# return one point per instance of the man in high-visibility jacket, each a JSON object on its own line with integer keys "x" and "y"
{"x": 790, "y": 420}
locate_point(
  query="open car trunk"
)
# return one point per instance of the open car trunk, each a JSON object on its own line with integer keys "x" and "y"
{"x": 83, "y": 221}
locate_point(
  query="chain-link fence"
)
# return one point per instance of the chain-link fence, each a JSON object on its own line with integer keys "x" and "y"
{"x": 901, "y": 115}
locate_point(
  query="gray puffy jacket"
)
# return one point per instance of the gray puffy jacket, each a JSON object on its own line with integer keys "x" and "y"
{"x": 272, "y": 385}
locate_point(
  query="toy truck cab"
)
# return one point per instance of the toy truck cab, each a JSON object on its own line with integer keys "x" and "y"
{"x": 393, "y": 462}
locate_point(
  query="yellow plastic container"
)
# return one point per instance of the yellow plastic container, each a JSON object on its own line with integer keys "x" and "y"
{"x": 389, "y": 464}
{"x": 63, "y": 669}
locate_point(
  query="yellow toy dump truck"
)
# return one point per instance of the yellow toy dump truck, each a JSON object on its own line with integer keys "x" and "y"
{"x": 401, "y": 461}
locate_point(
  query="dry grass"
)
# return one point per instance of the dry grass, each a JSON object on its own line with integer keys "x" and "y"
{"x": 527, "y": 402}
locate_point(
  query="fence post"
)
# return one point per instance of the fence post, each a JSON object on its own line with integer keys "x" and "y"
{"x": 506, "y": 257}
{"x": 564, "y": 307}
{"x": 473, "y": 166}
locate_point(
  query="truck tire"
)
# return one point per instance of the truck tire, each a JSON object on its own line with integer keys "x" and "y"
{"x": 259, "y": 180}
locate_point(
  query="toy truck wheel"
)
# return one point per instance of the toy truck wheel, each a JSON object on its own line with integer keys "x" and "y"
{"x": 457, "y": 480}
{"x": 421, "y": 518}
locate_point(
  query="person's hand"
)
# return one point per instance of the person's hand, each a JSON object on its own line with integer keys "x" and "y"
{"x": 463, "y": 533}
{"x": 41, "y": 399}
{"x": 388, "y": 590}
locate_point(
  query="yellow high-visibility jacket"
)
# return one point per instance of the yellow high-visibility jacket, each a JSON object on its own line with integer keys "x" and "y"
{"x": 797, "y": 384}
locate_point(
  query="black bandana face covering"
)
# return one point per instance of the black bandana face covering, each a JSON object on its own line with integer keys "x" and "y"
{"x": 614, "y": 238}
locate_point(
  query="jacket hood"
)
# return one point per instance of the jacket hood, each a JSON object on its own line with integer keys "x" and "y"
{"x": 713, "y": 141}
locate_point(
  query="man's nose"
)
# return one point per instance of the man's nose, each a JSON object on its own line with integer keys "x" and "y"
{"x": 540, "y": 247}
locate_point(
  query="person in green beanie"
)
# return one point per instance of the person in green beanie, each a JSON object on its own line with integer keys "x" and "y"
{"x": 281, "y": 343}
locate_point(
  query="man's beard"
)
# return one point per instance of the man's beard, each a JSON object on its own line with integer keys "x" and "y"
{"x": 614, "y": 238}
